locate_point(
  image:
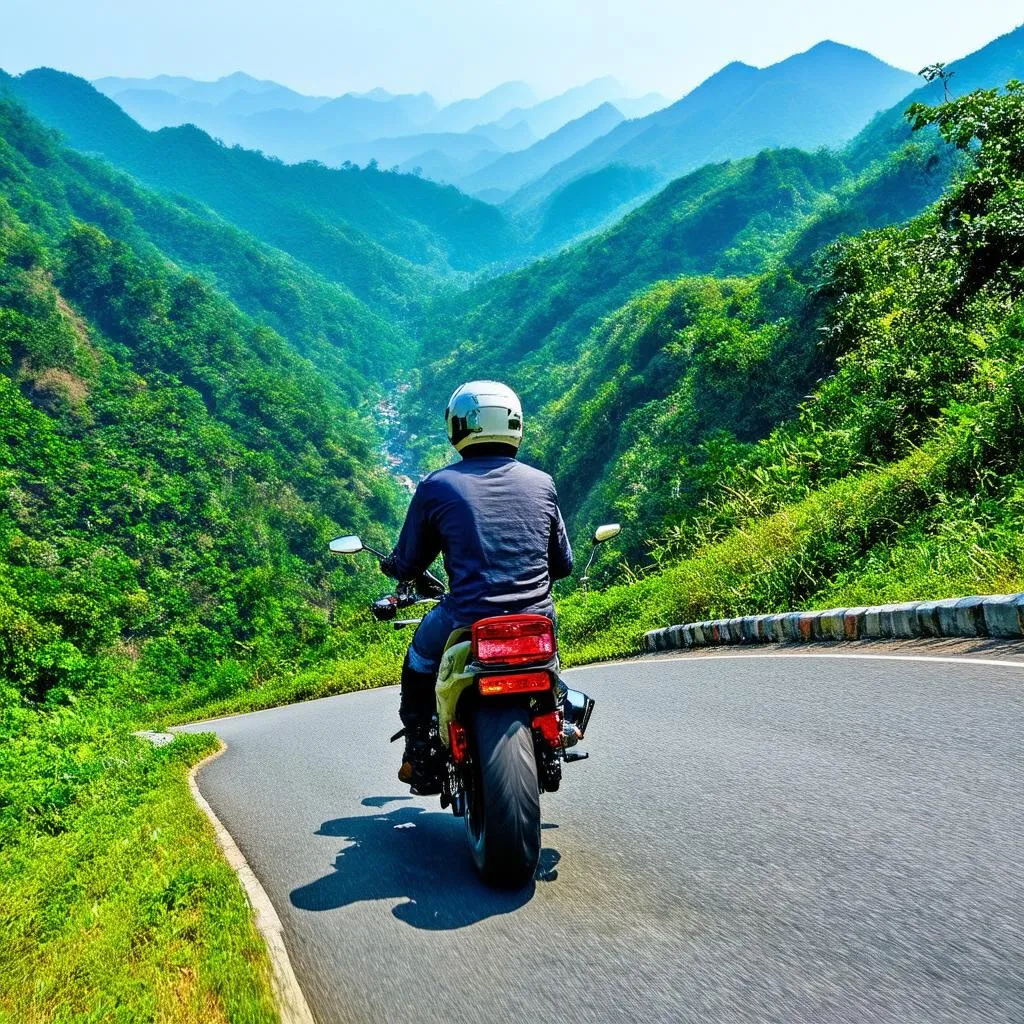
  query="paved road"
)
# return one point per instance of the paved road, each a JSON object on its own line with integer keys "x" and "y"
{"x": 753, "y": 839}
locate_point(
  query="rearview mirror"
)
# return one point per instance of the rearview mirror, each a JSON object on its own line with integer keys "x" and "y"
{"x": 606, "y": 532}
{"x": 346, "y": 545}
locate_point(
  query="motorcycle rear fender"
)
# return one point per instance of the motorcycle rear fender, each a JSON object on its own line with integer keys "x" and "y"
{"x": 452, "y": 679}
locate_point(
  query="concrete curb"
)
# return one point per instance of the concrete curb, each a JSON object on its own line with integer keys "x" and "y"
{"x": 981, "y": 615}
{"x": 291, "y": 1003}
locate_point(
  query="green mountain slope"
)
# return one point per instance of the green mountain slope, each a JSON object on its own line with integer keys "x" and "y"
{"x": 323, "y": 320}
{"x": 900, "y": 475}
{"x": 587, "y": 204}
{"x": 597, "y": 375}
{"x": 668, "y": 386}
{"x": 533, "y": 323}
{"x": 169, "y": 469}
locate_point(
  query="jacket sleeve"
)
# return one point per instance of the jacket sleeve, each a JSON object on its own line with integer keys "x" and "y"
{"x": 418, "y": 543}
{"x": 559, "y": 548}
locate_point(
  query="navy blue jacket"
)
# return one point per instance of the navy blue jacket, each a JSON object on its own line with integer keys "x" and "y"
{"x": 497, "y": 523}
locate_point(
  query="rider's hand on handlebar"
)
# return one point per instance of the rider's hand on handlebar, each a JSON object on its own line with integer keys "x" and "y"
{"x": 428, "y": 585}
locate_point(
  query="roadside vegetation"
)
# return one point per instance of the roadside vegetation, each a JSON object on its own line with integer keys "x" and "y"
{"x": 170, "y": 472}
{"x": 900, "y": 475}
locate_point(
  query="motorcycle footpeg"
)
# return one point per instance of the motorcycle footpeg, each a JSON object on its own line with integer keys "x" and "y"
{"x": 576, "y": 755}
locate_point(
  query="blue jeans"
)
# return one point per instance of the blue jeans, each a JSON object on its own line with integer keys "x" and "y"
{"x": 428, "y": 642}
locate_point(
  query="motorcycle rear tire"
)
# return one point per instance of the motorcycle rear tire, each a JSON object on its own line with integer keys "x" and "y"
{"x": 503, "y": 812}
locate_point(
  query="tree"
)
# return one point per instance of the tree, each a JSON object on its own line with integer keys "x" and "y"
{"x": 933, "y": 72}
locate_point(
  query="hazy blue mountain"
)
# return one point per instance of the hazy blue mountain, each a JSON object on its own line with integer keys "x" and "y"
{"x": 439, "y": 167}
{"x": 296, "y": 135}
{"x": 548, "y": 116}
{"x": 267, "y": 116}
{"x": 376, "y": 94}
{"x": 262, "y": 94}
{"x": 157, "y": 108}
{"x": 457, "y": 147}
{"x": 513, "y": 170}
{"x": 421, "y": 108}
{"x": 991, "y": 67}
{"x": 110, "y": 85}
{"x": 821, "y": 97}
{"x": 507, "y": 138}
{"x": 464, "y": 115}
{"x": 243, "y": 102}
{"x": 588, "y": 203}
{"x": 641, "y": 106}
{"x": 228, "y": 85}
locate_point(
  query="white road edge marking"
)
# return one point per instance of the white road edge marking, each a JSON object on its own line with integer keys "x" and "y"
{"x": 948, "y": 659}
{"x": 291, "y": 1003}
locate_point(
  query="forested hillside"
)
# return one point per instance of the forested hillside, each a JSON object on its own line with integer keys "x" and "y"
{"x": 898, "y": 477}
{"x": 353, "y": 346}
{"x": 377, "y": 233}
{"x": 170, "y": 472}
{"x": 725, "y": 219}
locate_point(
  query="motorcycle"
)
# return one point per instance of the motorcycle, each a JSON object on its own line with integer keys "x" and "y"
{"x": 505, "y": 722}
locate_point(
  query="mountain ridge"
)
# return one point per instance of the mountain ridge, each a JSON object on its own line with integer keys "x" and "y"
{"x": 704, "y": 125}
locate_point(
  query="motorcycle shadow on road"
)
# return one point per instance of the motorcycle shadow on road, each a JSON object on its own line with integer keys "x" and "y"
{"x": 417, "y": 854}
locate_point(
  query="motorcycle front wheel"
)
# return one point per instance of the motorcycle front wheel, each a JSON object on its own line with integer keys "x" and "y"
{"x": 503, "y": 812}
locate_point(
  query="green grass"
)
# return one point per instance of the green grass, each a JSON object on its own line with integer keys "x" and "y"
{"x": 118, "y": 907}
{"x": 890, "y": 534}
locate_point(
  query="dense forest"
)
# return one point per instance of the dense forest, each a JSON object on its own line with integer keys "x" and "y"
{"x": 171, "y": 469}
{"x": 587, "y": 347}
{"x": 897, "y": 477}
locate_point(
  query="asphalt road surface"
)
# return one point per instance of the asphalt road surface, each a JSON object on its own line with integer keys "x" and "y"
{"x": 756, "y": 838}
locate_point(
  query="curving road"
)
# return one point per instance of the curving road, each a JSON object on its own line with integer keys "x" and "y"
{"x": 754, "y": 838}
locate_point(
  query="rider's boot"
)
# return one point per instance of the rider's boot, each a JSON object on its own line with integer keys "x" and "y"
{"x": 421, "y": 766}
{"x": 421, "y": 762}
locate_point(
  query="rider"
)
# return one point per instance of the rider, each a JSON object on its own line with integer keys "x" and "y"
{"x": 497, "y": 523}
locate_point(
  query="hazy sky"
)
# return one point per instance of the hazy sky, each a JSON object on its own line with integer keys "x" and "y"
{"x": 456, "y": 48}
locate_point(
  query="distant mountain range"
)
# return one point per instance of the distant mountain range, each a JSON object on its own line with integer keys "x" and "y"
{"x": 408, "y": 131}
{"x": 501, "y": 177}
{"x": 507, "y": 146}
{"x": 380, "y": 235}
{"x": 578, "y": 179}
{"x": 822, "y": 97}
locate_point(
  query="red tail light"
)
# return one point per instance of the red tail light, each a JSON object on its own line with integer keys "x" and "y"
{"x": 457, "y": 742}
{"x": 521, "y": 682}
{"x": 549, "y": 725}
{"x": 513, "y": 639}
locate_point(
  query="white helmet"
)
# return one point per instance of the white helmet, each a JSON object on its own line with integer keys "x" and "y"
{"x": 484, "y": 412}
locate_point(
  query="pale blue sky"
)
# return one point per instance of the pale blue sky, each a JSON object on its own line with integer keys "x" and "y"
{"x": 456, "y": 48}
